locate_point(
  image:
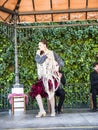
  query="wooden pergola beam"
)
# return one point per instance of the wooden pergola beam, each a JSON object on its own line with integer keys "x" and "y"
{"x": 3, "y": 9}
{"x": 59, "y": 11}
{"x": 56, "y": 26}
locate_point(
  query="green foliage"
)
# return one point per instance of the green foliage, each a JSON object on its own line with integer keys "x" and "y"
{"x": 77, "y": 46}
{"x": 6, "y": 62}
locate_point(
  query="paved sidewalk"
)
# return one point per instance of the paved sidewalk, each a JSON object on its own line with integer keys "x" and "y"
{"x": 69, "y": 120}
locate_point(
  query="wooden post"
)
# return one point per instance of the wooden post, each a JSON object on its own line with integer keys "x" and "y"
{"x": 91, "y": 101}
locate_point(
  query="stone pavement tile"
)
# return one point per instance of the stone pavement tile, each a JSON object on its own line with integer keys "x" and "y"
{"x": 67, "y": 120}
{"x": 92, "y": 118}
{"x": 61, "y": 128}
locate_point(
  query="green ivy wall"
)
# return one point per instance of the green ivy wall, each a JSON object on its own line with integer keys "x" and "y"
{"x": 76, "y": 45}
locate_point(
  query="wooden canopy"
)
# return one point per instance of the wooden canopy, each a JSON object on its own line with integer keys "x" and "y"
{"x": 48, "y": 10}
